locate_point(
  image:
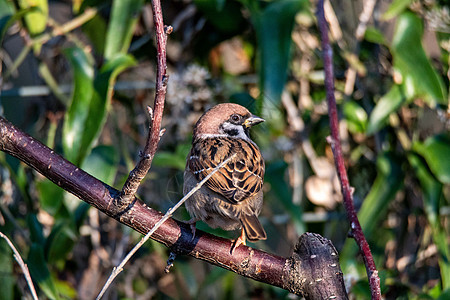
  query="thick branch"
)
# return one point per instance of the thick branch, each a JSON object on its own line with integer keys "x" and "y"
{"x": 335, "y": 142}
{"x": 313, "y": 268}
{"x": 138, "y": 173}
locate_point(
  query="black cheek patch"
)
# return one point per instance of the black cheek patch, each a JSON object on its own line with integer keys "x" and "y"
{"x": 232, "y": 132}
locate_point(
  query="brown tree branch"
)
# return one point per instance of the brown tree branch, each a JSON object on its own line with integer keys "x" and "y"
{"x": 313, "y": 270}
{"x": 131, "y": 185}
{"x": 335, "y": 143}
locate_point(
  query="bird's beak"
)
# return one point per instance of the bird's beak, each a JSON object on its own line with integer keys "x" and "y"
{"x": 253, "y": 120}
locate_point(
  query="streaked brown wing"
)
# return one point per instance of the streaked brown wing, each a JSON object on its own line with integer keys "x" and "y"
{"x": 241, "y": 178}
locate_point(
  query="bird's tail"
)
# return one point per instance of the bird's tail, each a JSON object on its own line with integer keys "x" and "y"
{"x": 253, "y": 228}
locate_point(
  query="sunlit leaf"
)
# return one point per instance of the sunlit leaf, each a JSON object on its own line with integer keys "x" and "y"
{"x": 374, "y": 35}
{"x": 387, "y": 104}
{"x": 396, "y": 8}
{"x": 65, "y": 289}
{"x": 123, "y": 19}
{"x": 35, "y": 20}
{"x": 410, "y": 59}
{"x": 76, "y": 115}
{"x": 355, "y": 116}
{"x": 436, "y": 151}
{"x": 90, "y": 102}
{"x": 100, "y": 102}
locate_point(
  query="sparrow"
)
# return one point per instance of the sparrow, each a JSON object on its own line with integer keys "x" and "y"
{"x": 232, "y": 198}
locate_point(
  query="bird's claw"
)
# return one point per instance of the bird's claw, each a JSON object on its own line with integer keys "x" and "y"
{"x": 239, "y": 241}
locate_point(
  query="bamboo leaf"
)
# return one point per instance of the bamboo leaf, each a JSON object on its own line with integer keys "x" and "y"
{"x": 124, "y": 16}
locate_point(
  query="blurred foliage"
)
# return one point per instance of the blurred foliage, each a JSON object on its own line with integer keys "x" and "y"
{"x": 392, "y": 88}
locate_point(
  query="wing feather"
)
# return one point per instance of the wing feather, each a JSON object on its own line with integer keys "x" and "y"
{"x": 241, "y": 178}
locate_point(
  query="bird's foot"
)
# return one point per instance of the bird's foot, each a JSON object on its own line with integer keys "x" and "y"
{"x": 239, "y": 241}
{"x": 191, "y": 224}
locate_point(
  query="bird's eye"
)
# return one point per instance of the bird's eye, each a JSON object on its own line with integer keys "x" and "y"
{"x": 235, "y": 118}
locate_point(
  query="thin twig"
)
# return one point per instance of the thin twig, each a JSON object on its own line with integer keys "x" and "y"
{"x": 138, "y": 173}
{"x": 169, "y": 213}
{"x": 335, "y": 142}
{"x": 22, "y": 265}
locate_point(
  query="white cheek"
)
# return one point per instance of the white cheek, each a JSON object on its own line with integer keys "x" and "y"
{"x": 228, "y": 126}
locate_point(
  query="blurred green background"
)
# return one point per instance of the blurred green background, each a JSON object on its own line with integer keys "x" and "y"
{"x": 78, "y": 75}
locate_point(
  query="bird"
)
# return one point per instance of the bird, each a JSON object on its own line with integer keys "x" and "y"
{"x": 232, "y": 197}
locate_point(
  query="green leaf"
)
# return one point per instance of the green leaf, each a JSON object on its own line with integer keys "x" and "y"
{"x": 39, "y": 271}
{"x": 8, "y": 16}
{"x": 396, "y": 8}
{"x": 387, "y": 104}
{"x": 375, "y": 36}
{"x": 99, "y": 105}
{"x": 90, "y": 102}
{"x": 432, "y": 193}
{"x": 76, "y": 115}
{"x": 36, "y": 20}
{"x": 175, "y": 159}
{"x": 432, "y": 189}
{"x": 361, "y": 290}
{"x": 95, "y": 29}
{"x": 80, "y": 214}
{"x": 60, "y": 241}
{"x": 387, "y": 183}
{"x": 273, "y": 27}
{"x": 436, "y": 151}
{"x": 65, "y": 289}
{"x": 36, "y": 230}
{"x": 410, "y": 59}
{"x": 355, "y": 116}
{"x": 50, "y": 195}
{"x": 244, "y": 99}
{"x": 102, "y": 163}
{"x": 123, "y": 19}
{"x": 226, "y": 16}
{"x": 444, "y": 295}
